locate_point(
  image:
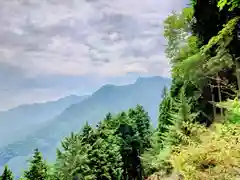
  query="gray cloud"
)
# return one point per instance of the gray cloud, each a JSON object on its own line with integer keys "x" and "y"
{"x": 74, "y": 38}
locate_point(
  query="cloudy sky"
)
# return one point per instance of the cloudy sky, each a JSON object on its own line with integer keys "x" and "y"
{"x": 53, "y": 48}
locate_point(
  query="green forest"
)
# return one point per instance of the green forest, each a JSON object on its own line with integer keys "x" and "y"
{"x": 198, "y": 130}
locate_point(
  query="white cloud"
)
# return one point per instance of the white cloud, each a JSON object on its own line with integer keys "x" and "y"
{"x": 105, "y": 25}
{"x": 107, "y": 38}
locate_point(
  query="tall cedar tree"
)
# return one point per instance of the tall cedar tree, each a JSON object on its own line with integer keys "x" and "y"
{"x": 134, "y": 131}
{"x": 38, "y": 168}
{"x": 141, "y": 121}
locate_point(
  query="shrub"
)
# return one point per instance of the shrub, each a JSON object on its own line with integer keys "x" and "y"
{"x": 217, "y": 157}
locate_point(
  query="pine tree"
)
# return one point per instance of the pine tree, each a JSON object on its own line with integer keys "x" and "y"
{"x": 164, "y": 112}
{"x": 141, "y": 121}
{"x": 87, "y": 134}
{"x": 90, "y": 154}
{"x": 7, "y": 174}
{"x": 183, "y": 122}
{"x": 38, "y": 168}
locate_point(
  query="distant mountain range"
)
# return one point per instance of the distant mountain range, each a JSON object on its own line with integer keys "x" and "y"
{"x": 51, "y": 122}
{"x": 18, "y": 122}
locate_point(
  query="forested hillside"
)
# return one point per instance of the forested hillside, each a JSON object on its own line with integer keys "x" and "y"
{"x": 109, "y": 98}
{"x": 199, "y": 118}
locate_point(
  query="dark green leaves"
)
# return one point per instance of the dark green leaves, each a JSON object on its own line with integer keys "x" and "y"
{"x": 7, "y": 174}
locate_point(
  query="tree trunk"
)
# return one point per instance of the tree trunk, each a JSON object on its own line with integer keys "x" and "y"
{"x": 219, "y": 93}
{"x": 213, "y": 100}
{"x": 238, "y": 75}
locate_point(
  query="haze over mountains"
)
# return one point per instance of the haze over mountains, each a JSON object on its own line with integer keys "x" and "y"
{"x": 45, "y": 125}
{"x": 18, "y": 122}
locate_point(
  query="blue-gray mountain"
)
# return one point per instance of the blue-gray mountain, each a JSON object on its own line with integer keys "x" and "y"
{"x": 110, "y": 98}
{"x": 18, "y": 122}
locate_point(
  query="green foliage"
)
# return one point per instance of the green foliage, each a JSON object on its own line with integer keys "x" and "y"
{"x": 142, "y": 127}
{"x": 184, "y": 68}
{"x": 194, "y": 151}
{"x": 7, "y": 174}
{"x": 179, "y": 128}
{"x": 202, "y": 46}
{"x": 233, "y": 110}
{"x": 231, "y": 4}
{"x": 156, "y": 159}
{"x": 201, "y": 59}
{"x": 193, "y": 2}
{"x": 200, "y": 66}
{"x": 176, "y": 29}
{"x": 216, "y": 157}
{"x": 182, "y": 122}
{"x": 165, "y": 109}
{"x": 72, "y": 159}
{"x": 38, "y": 169}
{"x": 111, "y": 151}
{"x": 223, "y": 35}
{"x": 181, "y": 144}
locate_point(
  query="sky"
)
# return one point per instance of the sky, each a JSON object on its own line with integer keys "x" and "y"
{"x": 53, "y": 48}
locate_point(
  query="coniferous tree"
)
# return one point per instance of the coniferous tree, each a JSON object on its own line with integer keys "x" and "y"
{"x": 38, "y": 169}
{"x": 141, "y": 121}
{"x": 87, "y": 134}
{"x": 7, "y": 174}
{"x": 91, "y": 154}
{"x": 165, "y": 108}
{"x": 179, "y": 131}
{"x": 130, "y": 143}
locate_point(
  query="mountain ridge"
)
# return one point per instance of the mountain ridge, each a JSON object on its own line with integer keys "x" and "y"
{"x": 41, "y": 103}
{"x": 93, "y": 108}
{"x": 25, "y": 117}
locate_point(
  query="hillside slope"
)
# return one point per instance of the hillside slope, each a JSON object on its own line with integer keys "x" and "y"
{"x": 109, "y": 98}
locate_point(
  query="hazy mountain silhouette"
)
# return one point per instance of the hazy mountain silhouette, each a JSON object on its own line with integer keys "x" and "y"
{"x": 109, "y": 98}
{"x": 18, "y": 122}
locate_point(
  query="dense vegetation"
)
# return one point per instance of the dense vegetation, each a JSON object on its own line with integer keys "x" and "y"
{"x": 199, "y": 118}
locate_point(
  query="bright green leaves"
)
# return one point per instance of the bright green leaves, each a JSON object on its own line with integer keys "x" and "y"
{"x": 223, "y": 35}
{"x": 176, "y": 30}
{"x": 176, "y": 127}
{"x": 222, "y": 3}
{"x": 231, "y": 4}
